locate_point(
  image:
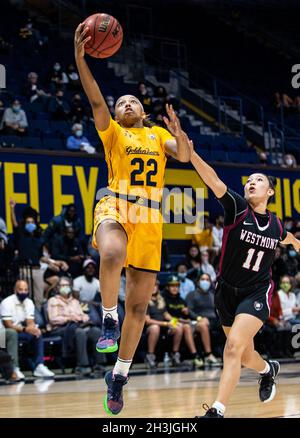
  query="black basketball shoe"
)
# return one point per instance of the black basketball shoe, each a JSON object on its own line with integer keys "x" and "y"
{"x": 210, "y": 413}
{"x": 267, "y": 385}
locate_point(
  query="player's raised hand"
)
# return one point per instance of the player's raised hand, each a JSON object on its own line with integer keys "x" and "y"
{"x": 173, "y": 123}
{"x": 80, "y": 39}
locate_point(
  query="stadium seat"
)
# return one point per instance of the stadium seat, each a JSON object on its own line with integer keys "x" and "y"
{"x": 175, "y": 259}
{"x": 217, "y": 155}
{"x": 54, "y": 144}
{"x": 11, "y": 140}
{"x": 32, "y": 143}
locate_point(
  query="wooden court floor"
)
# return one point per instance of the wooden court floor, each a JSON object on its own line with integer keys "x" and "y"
{"x": 179, "y": 394}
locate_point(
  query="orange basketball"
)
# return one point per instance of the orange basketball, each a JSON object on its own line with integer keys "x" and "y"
{"x": 106, "y": 35}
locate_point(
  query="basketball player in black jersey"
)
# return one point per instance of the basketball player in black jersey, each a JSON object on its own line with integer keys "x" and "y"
{"x": 244, "y": 284}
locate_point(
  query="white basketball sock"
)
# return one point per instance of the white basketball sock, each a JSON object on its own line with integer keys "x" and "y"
{"x": 112, "y": 312}
{"x": 266, "y": 369}
{"x": 220, "y": 408}
{"x": 122, "y": 367}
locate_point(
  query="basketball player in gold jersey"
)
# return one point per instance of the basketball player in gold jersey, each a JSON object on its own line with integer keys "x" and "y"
{"x": 136, "y": 159}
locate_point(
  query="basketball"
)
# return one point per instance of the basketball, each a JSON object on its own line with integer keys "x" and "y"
{"x": 106, "y": 35}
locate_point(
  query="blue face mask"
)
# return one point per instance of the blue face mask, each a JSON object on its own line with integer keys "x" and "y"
{"x": 21, "y": 297}
{"x": 204, "y": 285}
{"x": 16, "y": 108}
{"x": 181, "y": 275}
{"x": 79, "y": 133}
{"x": 292, "y": 253}
{"x": 30, "y": 227}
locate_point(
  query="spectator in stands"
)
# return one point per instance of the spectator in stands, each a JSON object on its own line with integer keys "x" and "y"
{"x": 73, "y": 82}
{"x": 206, "y": 267}
{"x": 110, "y": 101}
{"x": 144, "y": 97}
{"x": 29, "y": 242}
{"x": 283, "y": 100}
{"x": 263, "y": 159}
{"x": 87, "y": 285}
{"x": 217, "y": 232}
{"x": 69, "y": 249}
{"x": 279, "y": 267}
{"x": 67, "y": 218}
{"x": 193, "y": 261}
{"x": 58, "y": 78}
{"x": 159, "y": 101}
{"x": 6, "y": 367}
{"x": 78, "y": 142}
{"x": 159, "y": 321}
{"x": 297, "y": 287}
{"x": 2, "y": 109}
{"x": 122, "y": 290}
{"x": 289, "y": 161}
{"x": 14, "y": 121}
{"x": 32, "y": 38}
{"x": 6, "y": 250}
{"x": 186, "y": 285}
{"x": 59, "y": 107}
{"x": 292, "y": 262}
{"x": 33, "y": 90}
{"x": 78, "y": 109}
{"x": 177, "y": 308}
{"x": 204, "y": 239}
{"x": 277, "y": 330}
{"x": 202, "y": 309}
{"x": 17, "y": 312}
{"x": 290, "y": 310}
{"x": 165, "y": 256}
{"x": 68, "y": 320}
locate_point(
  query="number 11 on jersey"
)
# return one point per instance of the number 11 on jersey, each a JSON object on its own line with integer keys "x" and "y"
{"x": 250, "y": 256}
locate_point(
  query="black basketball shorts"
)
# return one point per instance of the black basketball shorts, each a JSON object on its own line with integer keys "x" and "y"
{"x": 255, "y": 301}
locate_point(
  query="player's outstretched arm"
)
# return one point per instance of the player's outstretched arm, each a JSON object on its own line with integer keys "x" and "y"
{"x": 291, "y": 240}
{"x": 207, "y": 173}
{"x": 178, "y": 148}
{"x": 100, "y": 110}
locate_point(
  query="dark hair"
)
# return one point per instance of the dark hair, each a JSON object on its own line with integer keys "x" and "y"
{"x": 272, "y": 183}
{"x": 147, "y": 123}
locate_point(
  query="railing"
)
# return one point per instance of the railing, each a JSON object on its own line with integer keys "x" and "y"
{"x": 276, "y": 142}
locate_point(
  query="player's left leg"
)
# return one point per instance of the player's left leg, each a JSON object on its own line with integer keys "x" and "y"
{"x": 239, "y": 337}
{"x": 268, "y": 370}
{"x": 139, "y": 287}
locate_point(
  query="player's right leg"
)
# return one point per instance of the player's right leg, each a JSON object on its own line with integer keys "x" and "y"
{"x": 112, "y": 243}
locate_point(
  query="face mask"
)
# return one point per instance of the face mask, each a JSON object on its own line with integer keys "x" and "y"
{"x": 289, "y": 162}
{"x": 79, "y": 133}
{"x": 204, "y": 285}
{"x": 288, "y": 226}
{"x": 30, "y": 227}
{"x": 56, "y": 67}
{"x": 65, "y": 290}
{"x": 16, "y": 108}
{"x": 292, "y": 253}
{"x": 182, "y": 275}
{"x": 21, "y": 297}
{"x": 285, "y": 287}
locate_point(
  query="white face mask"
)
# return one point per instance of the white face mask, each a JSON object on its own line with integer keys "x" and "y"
{"x": 289, "y": 162}
{"x": 65, "y": 290}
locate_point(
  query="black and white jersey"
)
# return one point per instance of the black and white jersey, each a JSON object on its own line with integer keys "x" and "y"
{"x": 249, "y": 242}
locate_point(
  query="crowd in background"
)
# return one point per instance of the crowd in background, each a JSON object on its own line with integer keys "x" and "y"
{"x": 63, "y": 288}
